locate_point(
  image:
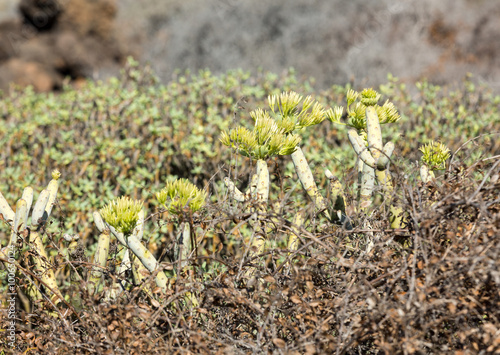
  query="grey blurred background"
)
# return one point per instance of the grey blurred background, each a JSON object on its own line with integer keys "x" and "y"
{"x": 334, "y": 41}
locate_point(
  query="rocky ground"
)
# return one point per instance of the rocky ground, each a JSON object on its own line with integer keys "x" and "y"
{"x": 334, "y": 41}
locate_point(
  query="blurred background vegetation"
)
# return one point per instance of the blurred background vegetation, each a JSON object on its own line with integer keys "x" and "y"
{"x": 334, "y": 41}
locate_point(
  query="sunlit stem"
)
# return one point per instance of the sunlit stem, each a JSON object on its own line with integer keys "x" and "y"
{"x": 336, "y": 197}
{"x": 184, "y": 245}
{"x": 307, "y": 180}
{"x": 426, "y": 174}
{"x": 144, "y": 255}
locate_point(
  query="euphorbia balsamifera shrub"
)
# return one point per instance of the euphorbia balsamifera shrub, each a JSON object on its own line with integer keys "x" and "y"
{"x": 294, "y": 113}
{"x": 365, "y": 117}
{"x": 124, "y": 218}
{"x": 291, "y": 112}
{"x": 434, "y": 158}
{"x": 182, "y": 198}
{"x": 265, "y": 140}
{"x": 28, "y": 238}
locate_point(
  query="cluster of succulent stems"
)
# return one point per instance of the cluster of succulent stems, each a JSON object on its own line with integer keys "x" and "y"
{"x": 290, "y": 113}
{"x": 275, "y": 132}
{"x": 30, "y": 235}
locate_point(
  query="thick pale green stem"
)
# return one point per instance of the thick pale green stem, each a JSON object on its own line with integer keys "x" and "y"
{"x": 385, "y": 157}
{"x": 28, "y": 197}
{"x": 307, "y": 180}
{"x": 382, "y": 157}
{"x": 41, "y": 259}
{"x": 39, "y": 209}
{"x": 293, "y": 235}
{"x": 5, "y": 210}
{"x": 262, "y": 196}
{"x": 366, "y": 165}
{"x": 253, "y": 185}
{"x": 148, "y": 260}
{"x": 100, "y": 258}
{"x": 144, "y": 255}
{"x": 367, "y": 186}
{"x": 359, "y": 168}
{"x": 374, "y": 132}
{"x": 234, "y": 192}
{"x": 185, "y": 248}
{"x": 126, "y": 263}
{"x": 140, "y": 274}
{"x": 359, "y": 146}
{"x": 259, "y": 192}
{"x": 43, "y": 266}
{"x": 426, "y": 174}
{"x": 262, "y": 190}
{"x": 258, "y": 240}
{"x": 184, "y": 245}
{"x": 52, "y": 189}
{"x": 336, "y": 197}
{"x": 117, "y": 287}
{"x": 375, "y": 145}
{"x": 20, "y": 220}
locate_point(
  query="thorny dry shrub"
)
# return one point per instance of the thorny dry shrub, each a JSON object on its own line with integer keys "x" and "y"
{"x": 431, "y": 288}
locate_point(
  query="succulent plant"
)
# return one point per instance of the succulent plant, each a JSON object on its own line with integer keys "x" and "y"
{"x": 122, "y": 214}
{"x": 434, "y": 158}
{"x": 18, "y": 221}
{"x": 366, "y": 117}
{"x": 125, "y": 220}
{"x": 292, "y": 113}
{"x": 180, "y": 194}
{"x": 387, "y": 113}
{"x": 100, "y": 255}
{"x": 266, "y": 140}
{"x": 175, "y": 197}
{"x": 269, "y": 137}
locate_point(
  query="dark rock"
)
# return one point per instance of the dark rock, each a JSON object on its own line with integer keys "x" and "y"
{"x": 42, "y": 14}
{"x": 57, "y": 39}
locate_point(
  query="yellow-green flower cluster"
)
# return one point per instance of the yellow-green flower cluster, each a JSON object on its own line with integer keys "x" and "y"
{"x": 356, "y": 110}
{"x": 122, "y": 214}
{"x": 181, "y": 193}
{"x": 265, "y": 140}
{"x": 435, "y": 155}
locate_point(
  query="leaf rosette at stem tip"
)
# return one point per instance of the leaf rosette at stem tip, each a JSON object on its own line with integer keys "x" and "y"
{"x": 288, "y": 116}
{"x": 181, "y": 193}
{"x": 435, "y": 155}
{"x": 56, "y": 174}
{"x": 122, "y": 214}
{"x": 356, "y": 110}
{"x": 266, "y": 139}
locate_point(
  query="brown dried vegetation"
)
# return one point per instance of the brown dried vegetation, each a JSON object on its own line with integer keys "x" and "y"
{"x": 433, "y": 288}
